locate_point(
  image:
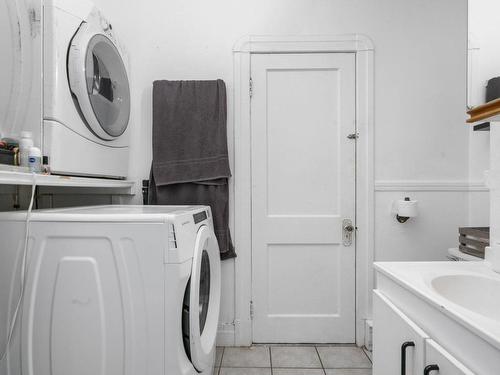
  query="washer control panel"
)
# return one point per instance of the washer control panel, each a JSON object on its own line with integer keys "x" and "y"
{"x": 200, "y": 216}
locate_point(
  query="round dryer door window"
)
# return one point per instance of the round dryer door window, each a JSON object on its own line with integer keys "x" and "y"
{"x": 99, "y": 82}
{"x": 204, "y": 299}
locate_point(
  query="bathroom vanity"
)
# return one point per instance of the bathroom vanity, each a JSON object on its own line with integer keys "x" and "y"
{"x": 436, "y": 318}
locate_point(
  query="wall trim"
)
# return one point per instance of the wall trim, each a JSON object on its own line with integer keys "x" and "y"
{"x": 363, "y": 47}
{"x": 225, "y": 334}
{"x": 303, "y": 43}
{"x": 429, "y": 185}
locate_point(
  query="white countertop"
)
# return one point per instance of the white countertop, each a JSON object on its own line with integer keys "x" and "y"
{"x": 417, "y": 278}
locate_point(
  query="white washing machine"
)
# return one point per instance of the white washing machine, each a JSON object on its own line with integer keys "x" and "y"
{"x": 86, "y": 108}
{"x": 112, "y": 290}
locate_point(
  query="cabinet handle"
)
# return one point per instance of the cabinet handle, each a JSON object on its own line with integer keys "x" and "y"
{"x": 403, "y": 355}
{"x": 430, "y": 368}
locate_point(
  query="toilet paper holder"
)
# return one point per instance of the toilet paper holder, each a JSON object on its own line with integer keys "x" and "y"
{"x": 405, "y": 209}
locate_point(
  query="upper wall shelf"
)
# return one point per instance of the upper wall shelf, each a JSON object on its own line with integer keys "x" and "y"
{"x": 489, "y": 111}
{"x": 13, "y": 177}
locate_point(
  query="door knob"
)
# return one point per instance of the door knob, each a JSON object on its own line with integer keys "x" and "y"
{"x": 347, "y": 232}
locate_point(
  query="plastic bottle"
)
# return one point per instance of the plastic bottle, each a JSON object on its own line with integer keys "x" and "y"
{"x": 25, "y": 144}
{"x": 35, "y": 160}
{"x": 45, "y": 165}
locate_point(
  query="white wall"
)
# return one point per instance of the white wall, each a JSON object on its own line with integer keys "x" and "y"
{"x": 484, "y": 30}
{"x": 20, "y": 66}
{"x": 419, "y": 96}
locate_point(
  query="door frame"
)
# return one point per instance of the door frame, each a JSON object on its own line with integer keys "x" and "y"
{"x": 363, "y": 47}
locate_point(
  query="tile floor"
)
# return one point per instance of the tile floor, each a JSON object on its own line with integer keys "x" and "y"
{"x": 292, "y": 360}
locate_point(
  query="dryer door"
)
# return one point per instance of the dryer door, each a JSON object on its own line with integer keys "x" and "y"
{"x": 204, "y": 299}
{"x": 98, "y": 79}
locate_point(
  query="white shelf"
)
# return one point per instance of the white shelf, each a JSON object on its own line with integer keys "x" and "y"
{"x": 13, "y": 177}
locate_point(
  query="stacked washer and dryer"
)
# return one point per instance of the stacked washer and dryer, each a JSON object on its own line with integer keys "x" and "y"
{"x": 86, "y": 94}
{"x": 111, "y": 289}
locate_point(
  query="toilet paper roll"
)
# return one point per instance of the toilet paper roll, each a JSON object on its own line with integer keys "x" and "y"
{"x": 407, "y": 208}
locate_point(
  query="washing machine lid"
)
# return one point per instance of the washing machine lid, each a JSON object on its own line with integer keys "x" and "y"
{"x": 204, "y": 299}
{"x": 98, "y": 79}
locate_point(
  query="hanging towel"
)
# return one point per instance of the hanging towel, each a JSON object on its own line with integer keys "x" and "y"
{"x": 189, "y": 131}
{"x": 213, "y": 193}
{"x": 190, "y": 159}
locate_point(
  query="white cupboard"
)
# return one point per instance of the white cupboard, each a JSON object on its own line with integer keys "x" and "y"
{"x": 439, "y": 361}
{"x": 401, "y": 347}
{"x": 398, "y": 344}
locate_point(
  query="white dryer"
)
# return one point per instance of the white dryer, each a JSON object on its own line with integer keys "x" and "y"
{"x": 86, "y": 92}
{"x": 112, "y": 290}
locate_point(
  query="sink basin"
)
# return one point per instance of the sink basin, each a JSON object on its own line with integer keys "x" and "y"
{"x": 475, "y": 293}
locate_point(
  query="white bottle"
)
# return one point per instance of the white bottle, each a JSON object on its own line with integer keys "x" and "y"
{"x": 35, "y": 160}
{"x": 25, "y": 143}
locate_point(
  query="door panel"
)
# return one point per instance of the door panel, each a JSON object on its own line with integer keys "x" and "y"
{"x": 309, "y": 129}
{"x": 303, "y": 186}
{"x": 285, "y": 279}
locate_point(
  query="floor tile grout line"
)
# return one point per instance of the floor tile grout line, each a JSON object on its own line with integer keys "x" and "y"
{"x": 272, "y": 366}
{"x": 320, "y": 360}
{"x": 271, "y": 360}
{"x": 221, "y": 359}
{"x": 364, "y": 352}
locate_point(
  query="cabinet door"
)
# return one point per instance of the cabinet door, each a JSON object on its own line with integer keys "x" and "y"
{"x": 398, "y": 344}
{"x": 439, "y": 361}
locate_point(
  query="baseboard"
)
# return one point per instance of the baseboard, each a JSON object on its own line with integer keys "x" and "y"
{"x": 368, "y": 334}
{"x": 225, "y": 334}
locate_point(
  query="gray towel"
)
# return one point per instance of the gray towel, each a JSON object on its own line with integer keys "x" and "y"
{"x": 189, "y": 131}
{"x": 213, "y": 193}
{"x": 190, "y": 159}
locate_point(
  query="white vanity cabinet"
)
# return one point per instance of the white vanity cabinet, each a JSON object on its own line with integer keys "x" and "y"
{"x": 439, "y": 361}
{"x": 401, "y": 347}
{"x": 398, "y": 344}
{"x": 430, "y": 315}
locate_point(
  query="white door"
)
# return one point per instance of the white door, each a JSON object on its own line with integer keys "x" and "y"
{"x": 398, "y": 344}
{"x": 303, "y": 187}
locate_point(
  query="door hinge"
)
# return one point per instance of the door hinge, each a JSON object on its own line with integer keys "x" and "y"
{"x": 353, "y": 136}
{"x": 251, "y": 310}
{"x": 250, "y": 87}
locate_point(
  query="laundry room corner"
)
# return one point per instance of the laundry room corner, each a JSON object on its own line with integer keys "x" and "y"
{"x": 218, "y": 60}
{"x": 249, "y": 187}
